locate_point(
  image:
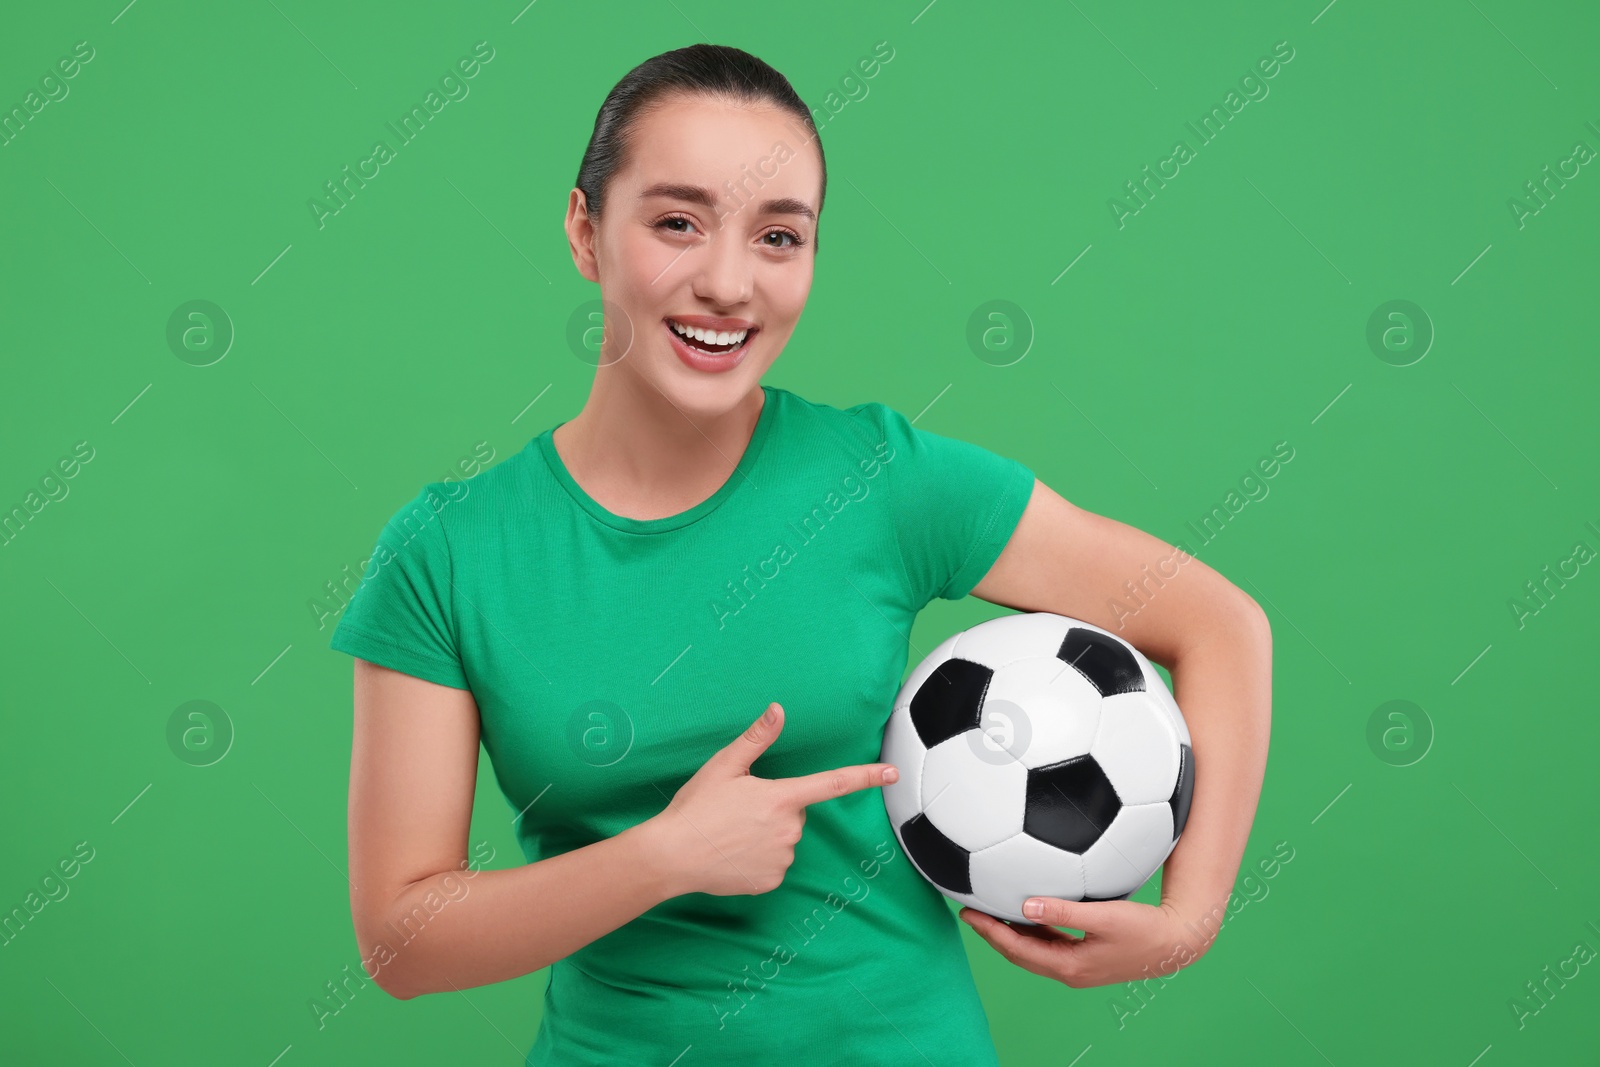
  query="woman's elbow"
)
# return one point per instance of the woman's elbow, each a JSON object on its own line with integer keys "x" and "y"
{"x": 1255, "y": 619}
{"x": 384, "y": 963}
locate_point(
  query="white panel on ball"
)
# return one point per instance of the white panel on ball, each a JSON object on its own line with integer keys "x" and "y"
{"x": 902, "y": 748}
{"x": 1018, "y": 680}
{"x": 975, "y": 801}
{"x": 1013, "y": 637}
{"x": 1063, "y": 719}
{"x": 1163, "y": 696}
{"x": 1133, "y": 846}
{"x": 1137, "y": 748}
{"x": 1005, "y": 875}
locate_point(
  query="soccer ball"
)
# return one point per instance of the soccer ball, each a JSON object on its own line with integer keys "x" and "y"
{"x": 1038, "y": 756}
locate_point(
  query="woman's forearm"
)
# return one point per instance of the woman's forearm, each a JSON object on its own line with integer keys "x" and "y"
{"x": 1224, "y": 687}
{"x": 459, "y": 929}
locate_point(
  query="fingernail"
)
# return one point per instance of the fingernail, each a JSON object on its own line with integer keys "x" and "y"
{"x": 891, "y": 775}
{"x": 771, "y": 715}
{"x": 1033, "y": 909}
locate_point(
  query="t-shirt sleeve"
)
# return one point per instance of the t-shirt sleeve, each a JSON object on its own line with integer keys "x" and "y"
{"x": 401, "y": 616}
{"x": 955, "y": 506}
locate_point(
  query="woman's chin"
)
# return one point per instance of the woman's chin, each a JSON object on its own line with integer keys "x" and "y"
{"x": 706, "y": 396}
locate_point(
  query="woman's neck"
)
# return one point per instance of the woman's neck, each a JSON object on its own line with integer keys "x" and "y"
{"x": 640, "y": 456}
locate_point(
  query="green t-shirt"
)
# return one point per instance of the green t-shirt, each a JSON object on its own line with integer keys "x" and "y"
{"x": 611, "y": 656}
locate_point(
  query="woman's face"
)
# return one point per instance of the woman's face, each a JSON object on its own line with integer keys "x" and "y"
{"x": 711, "y": 224}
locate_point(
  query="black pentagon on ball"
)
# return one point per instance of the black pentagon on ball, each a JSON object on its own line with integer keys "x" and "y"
{"x": 1183, "y": 792}
{"x": 944, "y": 862}
{"x": 950, "y": 701}
{"x": 1104, "y": 660}
{"x": 1070, "y": 804}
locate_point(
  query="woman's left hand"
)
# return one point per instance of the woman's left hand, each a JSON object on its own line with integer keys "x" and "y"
{"x": 1122, "y": 940}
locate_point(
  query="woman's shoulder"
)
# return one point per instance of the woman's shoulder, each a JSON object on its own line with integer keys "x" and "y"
{"x": 866, "y": 424}
{"x": 479, "y": 486}
{"x": 861, "y": 417}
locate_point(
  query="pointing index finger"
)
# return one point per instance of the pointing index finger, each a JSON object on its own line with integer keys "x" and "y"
{"x": 826, "y": 785}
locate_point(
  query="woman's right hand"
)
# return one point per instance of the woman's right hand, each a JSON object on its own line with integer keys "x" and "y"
{"x": 727, "y": 832}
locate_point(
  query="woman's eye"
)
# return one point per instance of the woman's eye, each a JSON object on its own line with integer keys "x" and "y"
{"x": 668, "y": 223}
{"x": 680, "y": 224}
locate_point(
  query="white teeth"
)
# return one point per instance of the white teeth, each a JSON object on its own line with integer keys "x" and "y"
{"x": 709, "y": 336}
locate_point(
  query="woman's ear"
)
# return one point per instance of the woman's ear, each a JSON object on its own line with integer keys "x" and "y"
{"x": 581, "y": 236}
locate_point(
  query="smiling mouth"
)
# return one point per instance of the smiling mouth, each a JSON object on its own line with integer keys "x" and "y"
{"x": 712, "y": 342}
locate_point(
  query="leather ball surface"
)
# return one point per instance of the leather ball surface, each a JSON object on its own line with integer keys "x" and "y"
{"x": 1038, "y": 756}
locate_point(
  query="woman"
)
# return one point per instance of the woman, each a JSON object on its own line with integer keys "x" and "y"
{"x": 677, "y": 623}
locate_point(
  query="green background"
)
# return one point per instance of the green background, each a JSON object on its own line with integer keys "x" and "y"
{"x": 1227, "y": 315}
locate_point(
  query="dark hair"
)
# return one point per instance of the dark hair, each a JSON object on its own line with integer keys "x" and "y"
{"x": 713, "y": 69}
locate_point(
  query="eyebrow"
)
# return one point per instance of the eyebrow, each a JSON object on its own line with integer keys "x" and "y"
{"x": 696, "y": 194}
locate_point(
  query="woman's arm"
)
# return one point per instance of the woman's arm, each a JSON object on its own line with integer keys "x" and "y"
{"x": 413, "y": 769}
{"x": 1215, "y": 642}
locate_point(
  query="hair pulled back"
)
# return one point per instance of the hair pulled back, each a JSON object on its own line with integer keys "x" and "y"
{"x": 710, "y": 69}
